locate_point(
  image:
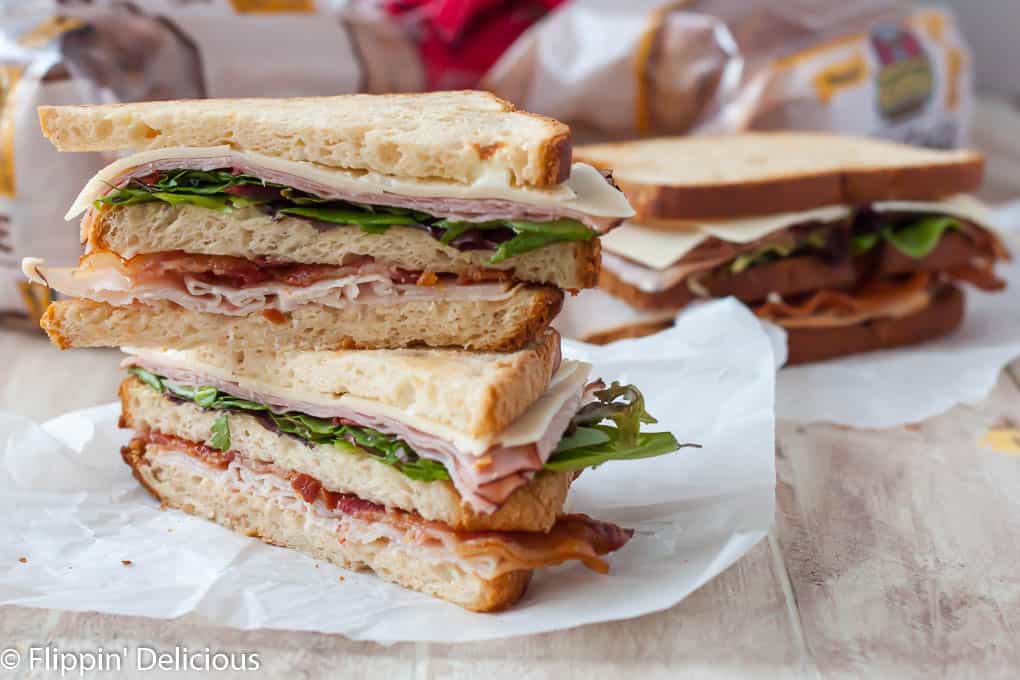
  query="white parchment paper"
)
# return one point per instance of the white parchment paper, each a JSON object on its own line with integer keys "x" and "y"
{"x": 907, "y": 385}
{"x": 71, "y": 508}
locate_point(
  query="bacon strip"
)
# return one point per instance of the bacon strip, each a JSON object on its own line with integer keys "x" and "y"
{"x": 829, "y": 308}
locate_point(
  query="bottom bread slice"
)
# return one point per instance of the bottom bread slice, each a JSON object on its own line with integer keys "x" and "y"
{"x": 482, "y": 325}
{"x": 179, "y": 482}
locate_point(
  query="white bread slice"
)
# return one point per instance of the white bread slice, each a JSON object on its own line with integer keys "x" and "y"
{"x": 255, "y": 515}
{"x": 251, "y": 234}
{"x": 475, "y": 393}
{"x": 531, "y": 508}
{"x": 457, "y": 136}
{"x": 672, "y": 179}
{"x": 486, "y": 325}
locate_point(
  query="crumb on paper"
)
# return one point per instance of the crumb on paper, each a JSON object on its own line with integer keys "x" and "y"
{"x": 126, "y": 563}
{"x": 23, "y": 560}
{"x": 341, "y": 579}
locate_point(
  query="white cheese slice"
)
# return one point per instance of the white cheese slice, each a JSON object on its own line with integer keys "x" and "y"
{"x": 585, "y": 190}
{"x": 660, "y": 249}
{"x": 529, "y": 427}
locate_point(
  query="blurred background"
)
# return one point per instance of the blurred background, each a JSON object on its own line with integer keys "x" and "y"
{"x": 936, "y": 75}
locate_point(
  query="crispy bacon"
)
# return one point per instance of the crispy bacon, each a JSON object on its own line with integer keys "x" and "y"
{"x": 982, "y": 277}
{"x": 831, "y": 308}
{"x": 208, "y": 455}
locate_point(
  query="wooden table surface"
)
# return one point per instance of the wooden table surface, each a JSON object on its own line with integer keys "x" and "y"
{"x": 894, "y": 554}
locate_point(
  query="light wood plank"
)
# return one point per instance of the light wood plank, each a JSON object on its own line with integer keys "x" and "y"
{"x": 902, "y": 544}
{"x": 735, "y": 626}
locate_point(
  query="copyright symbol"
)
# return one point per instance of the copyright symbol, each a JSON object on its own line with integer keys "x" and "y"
{"x": 9, "y": 659}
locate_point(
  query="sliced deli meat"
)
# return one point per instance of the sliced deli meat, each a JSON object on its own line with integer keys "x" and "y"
{"x": 103, "y": 277}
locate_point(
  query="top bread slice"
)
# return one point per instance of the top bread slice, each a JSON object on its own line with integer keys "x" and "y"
{"x": 476, "y": 393}
{"x": 762, "y": 173}
{"x": 457, "y": 136}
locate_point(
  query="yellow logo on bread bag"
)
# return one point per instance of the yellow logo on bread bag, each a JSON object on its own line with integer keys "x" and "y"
{"x": 840, "y": 76}
{"x": 905, "y": 73}
{"x": 273, "y": 6}
{"x": 9, "y": 76}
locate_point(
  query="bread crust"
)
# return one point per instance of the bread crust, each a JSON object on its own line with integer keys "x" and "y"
{"x": 450, "y": 135}
{"x": 251, "y": 516}
{"x": 533, "y": 507}
{"x": 496, "y": 326}
{"x": 941, "y": 317}
{"x": 657, "y": 204}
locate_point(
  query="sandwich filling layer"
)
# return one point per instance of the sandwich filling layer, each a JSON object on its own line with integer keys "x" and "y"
{"x": 562, "y": 430}
{"x": 870, "y": 263}
{"x": 487, "y": 554}
{"x": 220, "y": 173}
{"x": 238, "y": 287}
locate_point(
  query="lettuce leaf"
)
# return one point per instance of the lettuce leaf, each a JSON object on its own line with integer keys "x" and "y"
{"x": 371, "y": 222}
{"x": 615, "y": 447}
{"x": 529, "y": 235}
{"x": 915, "y": 239}
{"x": 588, "y": 443}
{"x": 220, "y": 438}
{"x": 918, "y": 239}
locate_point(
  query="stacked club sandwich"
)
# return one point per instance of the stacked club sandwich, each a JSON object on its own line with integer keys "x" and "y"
{"x": 247, "y": 246}
{"x": 850, "y": 244}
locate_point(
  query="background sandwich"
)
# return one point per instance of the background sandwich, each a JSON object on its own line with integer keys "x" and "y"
{"x": 444, "y": 219}
{"x": 442, "y": 470}
{"x": 850, "y": 244}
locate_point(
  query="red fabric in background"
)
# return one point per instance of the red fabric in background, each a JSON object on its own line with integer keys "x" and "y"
{"x": 458, "y": 40}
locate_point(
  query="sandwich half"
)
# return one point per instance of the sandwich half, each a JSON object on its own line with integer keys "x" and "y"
{"x": 444, "y": 471}
{"x": 443, "y": 219}
{"x": 849, "y": 244}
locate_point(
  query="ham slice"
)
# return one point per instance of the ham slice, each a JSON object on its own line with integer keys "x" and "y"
{"x": 112, "y": 283}
{"x": 485, "y": 481}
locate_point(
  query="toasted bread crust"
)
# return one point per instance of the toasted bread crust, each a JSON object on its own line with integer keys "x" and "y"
{"x": 251, "y": 516}
{"x": 501, "y": 326}
{"x": 625, "y": 332}
{"x": 455, "y": 135}
{"x": 533, "y": 507}
{"x": 928, "y": 175}
{"x": 941, "y": 317}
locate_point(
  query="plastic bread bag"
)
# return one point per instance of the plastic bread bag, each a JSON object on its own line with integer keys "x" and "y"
{"x": 618, "y": 70}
